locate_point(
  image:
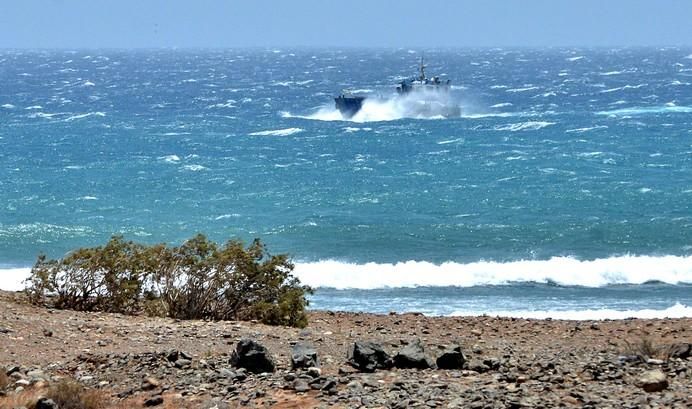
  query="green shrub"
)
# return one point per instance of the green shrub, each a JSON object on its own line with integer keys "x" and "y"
{"x": 197, "y": 280}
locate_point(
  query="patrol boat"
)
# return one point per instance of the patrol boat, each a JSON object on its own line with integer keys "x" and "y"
{"x": 349, "y": 104}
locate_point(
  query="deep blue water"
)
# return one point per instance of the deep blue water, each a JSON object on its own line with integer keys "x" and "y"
{"x": 560, "y": 156}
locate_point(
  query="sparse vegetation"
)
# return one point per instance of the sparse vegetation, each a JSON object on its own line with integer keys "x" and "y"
{"x": 4, "y": 379}
{"x": 643, "y": 347}
{"x": 197, "y": 280}
{"x": 69, "y": 394}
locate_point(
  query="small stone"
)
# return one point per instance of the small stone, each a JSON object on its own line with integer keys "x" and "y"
{"x": 314, "y": 372}
{"x": 47, "y": 333}
{"x": 45, "y": 403}
{"x": 150, "y": 383}
{"x": 300, "y": 385}
{"x": 653, "y": 381}
{"x": 303, "y": 355}
{"x": 153, "y": 401}
{"x": 182, "y": 363}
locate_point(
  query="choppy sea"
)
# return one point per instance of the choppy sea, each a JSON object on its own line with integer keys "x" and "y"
{"x": 563, "y": 190}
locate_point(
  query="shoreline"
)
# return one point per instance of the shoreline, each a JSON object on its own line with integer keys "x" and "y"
{"x": 509, "y": 360}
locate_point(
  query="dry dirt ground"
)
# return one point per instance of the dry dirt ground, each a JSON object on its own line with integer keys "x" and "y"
{"x": 510, "y": 362}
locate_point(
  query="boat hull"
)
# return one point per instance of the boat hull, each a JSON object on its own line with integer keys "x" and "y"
{"x": 349, "y": 105}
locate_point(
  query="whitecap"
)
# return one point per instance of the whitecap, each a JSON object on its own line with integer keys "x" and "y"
{"x": 582, "y": 130}
{"x": 530, "y": 88}
{"x": 609, "y": 73}
{"x": 448, "y": 141}
{"x": 88, "y": 114}
{"x": 647, "y": 110}
{"x": 524, "y": 126}
{"x": 7, "y": 106}
{"x": 575, "y": 58}
{"x": 170, "y": 158}
{"x": 278, "y": 132}
{"x": 502, "y": 105}
{"x": 194, "y": 168}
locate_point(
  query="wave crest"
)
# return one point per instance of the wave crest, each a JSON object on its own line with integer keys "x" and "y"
{"x": 566, "y": 271}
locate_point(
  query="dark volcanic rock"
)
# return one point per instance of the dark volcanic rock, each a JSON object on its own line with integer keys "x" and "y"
{"x": 412, "y": 356}
{"x": 252, "y": 356}
{"x": 153, "y": 401}
{"x": 304, "y": 355}
{"x": 451, "y": 358}
{"x": 367, "y": 356}
{"x": 45, "y": 403}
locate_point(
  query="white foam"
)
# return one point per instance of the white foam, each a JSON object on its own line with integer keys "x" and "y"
{"x": 11, "y": 279}
{"x": 560, "y": 270}
{"x": 170, "y": 158}
{"x": 278, "y": 132}
{"x": 647, "y": 110}
{"x": 609, "y": 73}
{"x": 524, "y": 126}
{"x": 521, "y": 89}
{"x": 7, "y": 106}
{"x": 501, "y": 105}
{"x": 582, "y": 130}
{"x": 416, "y": 105}
{"x": 605, "y": 91}
{"x": 194, "y": 168}
{"x": 676, "y": 311}
{"x": 88, "y": 114}
{"x": 575, "y": 58}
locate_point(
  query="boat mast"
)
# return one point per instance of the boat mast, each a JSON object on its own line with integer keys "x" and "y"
{"x": 422, "y": 70}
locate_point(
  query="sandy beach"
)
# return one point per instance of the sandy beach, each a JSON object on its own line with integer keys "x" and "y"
{"x": 509, "y": 362}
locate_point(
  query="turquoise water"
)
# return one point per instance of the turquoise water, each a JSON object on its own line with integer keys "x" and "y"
{"x": 570, "y": 167}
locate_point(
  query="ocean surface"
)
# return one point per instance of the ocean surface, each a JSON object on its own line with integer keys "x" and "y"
{"x": 563, "y": 190}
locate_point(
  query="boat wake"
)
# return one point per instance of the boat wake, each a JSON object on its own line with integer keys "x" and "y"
{"x": 415, "y": 105}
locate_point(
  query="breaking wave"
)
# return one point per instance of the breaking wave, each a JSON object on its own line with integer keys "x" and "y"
{"x": 676, "y": 311}
{"x": 566, "y": 271}
{"x": 418, "y": 105}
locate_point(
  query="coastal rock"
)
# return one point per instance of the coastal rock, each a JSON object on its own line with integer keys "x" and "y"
{"x": 367, "y": 356}
{"x": 412, "y": 356}
{"x": 304, "y": 355}
{"x": 653, "y": 381}
{"x": 451, "y": 358}
{"x": 252, "y": 356}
